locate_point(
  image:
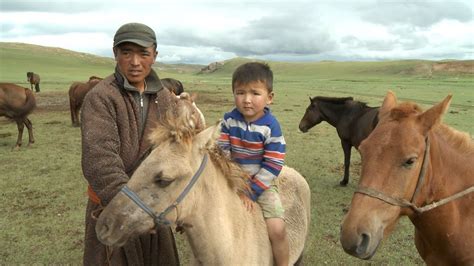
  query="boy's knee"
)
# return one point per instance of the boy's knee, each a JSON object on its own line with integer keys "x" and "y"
{"x": 276, "y": 228}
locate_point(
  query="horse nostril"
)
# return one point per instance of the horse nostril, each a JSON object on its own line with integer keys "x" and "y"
{"x": 362, "y": 247}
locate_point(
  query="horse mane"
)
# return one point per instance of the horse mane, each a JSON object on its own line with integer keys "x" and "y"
{"x": 176, "y": 127}
{"x": 236, "y": 177}
{"x": 336, "y": 100}
{"x": 457, "y": 139}
{"x": 340, "y": 100}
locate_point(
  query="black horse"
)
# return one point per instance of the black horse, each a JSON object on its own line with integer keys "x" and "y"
{"x": 33, "y": 79}
{"x": 353, "y": 120}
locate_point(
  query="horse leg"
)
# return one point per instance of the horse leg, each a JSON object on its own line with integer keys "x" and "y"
{"x": 29, "y": 126}
{"x": 37, "y": 87}
{"x": 20, "y": 127}
{"x": 346, "y": 147}
{"x": 73, "y": 112}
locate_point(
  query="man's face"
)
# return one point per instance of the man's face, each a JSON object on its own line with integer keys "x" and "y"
{"x": 135, "y": 62}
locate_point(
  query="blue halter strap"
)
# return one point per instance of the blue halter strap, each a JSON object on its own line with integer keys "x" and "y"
{"x": 161, "y": 219}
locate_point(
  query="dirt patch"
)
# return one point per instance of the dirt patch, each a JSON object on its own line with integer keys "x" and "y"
{"x": 465, "y": 67}
{"x": 52, "y": 101}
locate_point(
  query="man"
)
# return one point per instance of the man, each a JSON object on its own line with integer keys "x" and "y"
{"x": 117, "y": 115}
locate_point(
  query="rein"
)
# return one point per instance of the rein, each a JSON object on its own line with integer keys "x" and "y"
{"x": 405, "y": 203}
{"x": 160, "y": 218}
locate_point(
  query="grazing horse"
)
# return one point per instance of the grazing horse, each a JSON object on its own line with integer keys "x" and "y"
{"x": 187, "y": 181}
{"x": 173, "y": 85}
{"x": 353, "y": 121}
{"x": 77, "y": 92}
{"x": 414, "y": 165}
{"x": 16, "y": 103}
{"x": 33, "y": 79}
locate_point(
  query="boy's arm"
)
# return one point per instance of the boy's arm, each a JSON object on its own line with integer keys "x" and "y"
{"x": 273, "y": 160}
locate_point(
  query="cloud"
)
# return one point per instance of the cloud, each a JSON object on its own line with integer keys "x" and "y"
{"x": 49, "y": 6}
{"x": 204, "y": 31}
{"x": 416, "y": 13}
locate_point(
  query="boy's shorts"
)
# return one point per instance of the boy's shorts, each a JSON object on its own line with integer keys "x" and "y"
{"x": 270, "y": 203}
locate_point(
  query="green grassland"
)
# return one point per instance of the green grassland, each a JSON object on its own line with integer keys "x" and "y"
{"x": 43, "y": 193}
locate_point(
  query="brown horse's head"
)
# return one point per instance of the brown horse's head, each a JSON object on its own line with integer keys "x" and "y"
{"x": 315, "y": 111}
{"x": 311, "y": 117}
{"x": 392, "y": 159}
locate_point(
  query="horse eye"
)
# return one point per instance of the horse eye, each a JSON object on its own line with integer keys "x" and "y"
{"x": 164, "y": 183}
{"x": 160, "y": 181}
{"x": 410, "y": 162}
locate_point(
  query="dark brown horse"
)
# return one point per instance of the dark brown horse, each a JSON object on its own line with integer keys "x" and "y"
{"x": 173, "y": 85}
{"x": 16, "y": 103}
{"x": 33, "y": 79}
{"x": 414, "y": 165}
{"x": 77, "y": 92}
{"x": 353, "y": 121}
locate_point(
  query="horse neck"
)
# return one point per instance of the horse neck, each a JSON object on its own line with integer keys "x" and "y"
{"x": 332, "y": 112}
{"x": 219, "y": 226}
{"x": 448, "y": 173}
{"x": 444, "y": 234}
{"x": 449, "y": 168}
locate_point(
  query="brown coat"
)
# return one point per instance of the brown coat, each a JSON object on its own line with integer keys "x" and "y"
{"x": 111, "y": 150}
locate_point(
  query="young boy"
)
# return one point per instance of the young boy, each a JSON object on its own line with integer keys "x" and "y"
{"x": 254, "y": 139}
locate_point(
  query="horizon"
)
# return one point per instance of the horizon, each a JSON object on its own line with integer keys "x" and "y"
{"x": 247, "y": 58}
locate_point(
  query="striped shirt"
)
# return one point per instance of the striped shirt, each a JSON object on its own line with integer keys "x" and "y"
{"x": 259, "y": 147}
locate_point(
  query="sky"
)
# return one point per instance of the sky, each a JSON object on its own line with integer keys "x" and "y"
{"x": 202, "y": 32}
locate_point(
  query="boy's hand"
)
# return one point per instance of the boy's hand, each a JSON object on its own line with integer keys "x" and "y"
{"x": 248, "y": 203}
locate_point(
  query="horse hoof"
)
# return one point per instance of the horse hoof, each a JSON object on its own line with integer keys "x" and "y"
{"x": 343, "y": 183}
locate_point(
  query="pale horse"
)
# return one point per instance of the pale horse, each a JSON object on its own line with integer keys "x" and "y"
{"x": 187, "y": 181}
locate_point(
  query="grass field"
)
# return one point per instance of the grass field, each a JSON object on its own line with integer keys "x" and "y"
{"x": 43, "y": 191}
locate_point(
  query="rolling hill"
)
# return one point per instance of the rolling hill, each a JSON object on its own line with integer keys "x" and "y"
{"x": 64, "y": 65}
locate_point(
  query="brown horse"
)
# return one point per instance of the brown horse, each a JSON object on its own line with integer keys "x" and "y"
{"x": 353, "y": 120}
{"x": 77, "y": 92}
{"x": 33, "y": 79}
{"x": 414, "y": 165}
{"x": 173, "y": 85}
{"x": 16, "y": 103}
{"x": 201, "y": 195}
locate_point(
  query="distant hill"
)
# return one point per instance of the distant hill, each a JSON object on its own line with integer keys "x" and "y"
{"x": 61, "y": 65}
{"x": 334, "y": 69}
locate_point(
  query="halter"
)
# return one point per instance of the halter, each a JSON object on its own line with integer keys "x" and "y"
{"x": 410, "y": 204}
{"x": 161, "y": 219}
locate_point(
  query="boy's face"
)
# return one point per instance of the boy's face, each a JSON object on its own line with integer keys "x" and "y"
{"x": 251, "y": 99}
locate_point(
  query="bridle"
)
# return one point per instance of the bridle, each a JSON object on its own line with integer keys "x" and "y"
{"x": 410, "y": 204}
{"x": 160, "y": 219}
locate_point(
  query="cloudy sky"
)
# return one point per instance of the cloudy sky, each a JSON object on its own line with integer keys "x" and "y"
{"x": 198, "y": 31}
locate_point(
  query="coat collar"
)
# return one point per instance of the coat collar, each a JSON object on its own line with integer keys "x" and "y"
{"x": 153, "y": 83}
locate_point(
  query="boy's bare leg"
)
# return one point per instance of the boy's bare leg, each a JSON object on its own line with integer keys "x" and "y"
{"x": 279, "y": 240}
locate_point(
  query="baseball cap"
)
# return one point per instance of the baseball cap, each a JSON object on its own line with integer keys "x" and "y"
{"x": 136, "y": 33}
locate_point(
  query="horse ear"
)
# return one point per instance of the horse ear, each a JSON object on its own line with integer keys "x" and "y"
{"x": 389, "y": 102}
{"x": 434, "y": 115}
{"x": 208, "y": 137}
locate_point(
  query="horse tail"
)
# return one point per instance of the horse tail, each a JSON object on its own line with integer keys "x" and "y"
{"x": 30, "y": 103}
